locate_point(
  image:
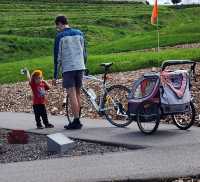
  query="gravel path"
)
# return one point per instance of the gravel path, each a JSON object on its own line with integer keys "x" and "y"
{"x": 17, "y": 97}
{"x": 36, "y": 149}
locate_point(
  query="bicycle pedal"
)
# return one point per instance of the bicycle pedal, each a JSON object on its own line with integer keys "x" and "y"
{"x": 100, "y": 113}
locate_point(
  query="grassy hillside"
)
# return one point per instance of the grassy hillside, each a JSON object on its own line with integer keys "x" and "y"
{"x": 122, "y": 62}
{"x": 27, "y": 30}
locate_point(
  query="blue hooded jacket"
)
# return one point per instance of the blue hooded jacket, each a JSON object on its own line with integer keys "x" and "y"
{"x": 69, "y": 51}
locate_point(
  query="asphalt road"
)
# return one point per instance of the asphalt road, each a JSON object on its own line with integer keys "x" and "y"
{"x": 169, "y": 153}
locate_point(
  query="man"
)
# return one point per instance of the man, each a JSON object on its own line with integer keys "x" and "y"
{"x": 70, "y": 54}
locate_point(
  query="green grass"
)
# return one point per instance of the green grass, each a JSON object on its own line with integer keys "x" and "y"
{"x": 112, "y": 31}
{"x": 10, "y": 72}
{"x": 17, "y": 48}
{"x": 131, "y": 43}
{"x": 109, "y": 28}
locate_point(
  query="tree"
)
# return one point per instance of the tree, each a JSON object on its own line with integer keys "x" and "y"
{"x": 147, "y": 2}
{"x": 175, "y": 1}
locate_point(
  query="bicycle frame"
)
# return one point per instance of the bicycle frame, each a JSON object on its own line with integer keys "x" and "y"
{"x": 104, "y": 89}
{"x": 99, "y": 108}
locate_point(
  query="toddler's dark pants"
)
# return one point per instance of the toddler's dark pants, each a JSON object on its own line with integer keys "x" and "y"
{"x": 40, "y": 112}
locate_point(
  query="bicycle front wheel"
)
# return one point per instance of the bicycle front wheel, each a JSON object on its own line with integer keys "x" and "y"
{"x": 115, "y": 105}
{"x": 68, "y": 109}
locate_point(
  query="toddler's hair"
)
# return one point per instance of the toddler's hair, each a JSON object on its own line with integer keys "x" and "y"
{"x": 36, "y": 73}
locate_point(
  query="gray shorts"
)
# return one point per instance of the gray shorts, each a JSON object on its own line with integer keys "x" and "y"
{"x": 72, "y": 79}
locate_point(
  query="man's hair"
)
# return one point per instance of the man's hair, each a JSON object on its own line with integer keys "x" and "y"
{"x": 61, "y": 19}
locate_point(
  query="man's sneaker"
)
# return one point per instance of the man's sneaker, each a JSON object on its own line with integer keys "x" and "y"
{"x": 40, "y": 127}
{"x": 49, "y": 126}
{"x": 74, "y": 125}
{"x": 69, "y": 125}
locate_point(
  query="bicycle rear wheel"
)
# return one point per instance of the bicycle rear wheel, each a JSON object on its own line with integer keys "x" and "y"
{"x": 115, "y": 105}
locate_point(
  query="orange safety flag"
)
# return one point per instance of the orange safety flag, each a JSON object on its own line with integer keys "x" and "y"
{"x": 154, "y": 16}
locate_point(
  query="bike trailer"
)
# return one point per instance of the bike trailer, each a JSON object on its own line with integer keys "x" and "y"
{"x": 170, "y": 89}
{"x": 156, "y": 95}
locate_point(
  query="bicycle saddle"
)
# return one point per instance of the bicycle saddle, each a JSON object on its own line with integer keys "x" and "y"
{"x": 106, "y": 65}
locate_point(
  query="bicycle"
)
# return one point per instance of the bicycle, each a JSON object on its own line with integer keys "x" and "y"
{"x": 112, "y": 102}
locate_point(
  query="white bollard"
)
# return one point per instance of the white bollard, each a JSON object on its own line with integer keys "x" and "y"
{"x": 59, "y": 143}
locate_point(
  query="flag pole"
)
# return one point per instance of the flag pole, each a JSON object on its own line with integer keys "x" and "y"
{"x": 154, "y": 21}
{"x": 158, "y": 37}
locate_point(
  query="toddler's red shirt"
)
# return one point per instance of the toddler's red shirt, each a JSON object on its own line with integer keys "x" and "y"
{"x": 39, "y": 92}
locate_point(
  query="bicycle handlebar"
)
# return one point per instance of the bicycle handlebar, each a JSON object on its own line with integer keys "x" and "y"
{"x": 176, "y": 62}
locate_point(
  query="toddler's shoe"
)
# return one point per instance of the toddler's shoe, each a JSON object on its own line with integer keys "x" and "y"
{"x": 49, "y": 126}
{"x": 40, "y": 127}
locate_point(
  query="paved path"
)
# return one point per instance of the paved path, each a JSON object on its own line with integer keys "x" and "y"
{"x": 139, "y": 164}
{"x": 168, "y": 153}
{"x": 27, "y": 122}
{"x": 102, "y": 131}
